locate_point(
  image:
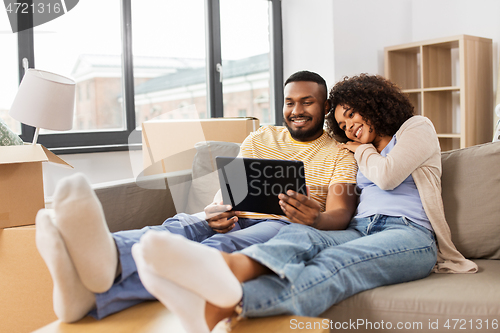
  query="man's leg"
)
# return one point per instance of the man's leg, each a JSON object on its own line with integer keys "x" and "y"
{"x": 247, "y": 233}
{"x": 72, "y": 300}
{"x": 92, "y": 249}
{"x": 128, "y": 288}
{"x": 80, "y": 221}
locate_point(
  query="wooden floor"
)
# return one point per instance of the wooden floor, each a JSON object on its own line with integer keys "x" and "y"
{"x": 153, "y": 317}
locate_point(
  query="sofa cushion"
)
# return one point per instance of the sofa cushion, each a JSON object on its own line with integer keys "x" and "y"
{"x": 205, "y": 178}
{"x": 471, "y": 188}
{"x": 470, "y": 298}
{"x": 136, "y": 203}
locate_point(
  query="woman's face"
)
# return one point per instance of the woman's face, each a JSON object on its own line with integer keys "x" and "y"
{"x": 354, "y": 126}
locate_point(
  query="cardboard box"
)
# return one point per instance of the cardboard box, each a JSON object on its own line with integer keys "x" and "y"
{"x": 168, "y": 145}
{"x": 21, "y": 183}
{"x": 25, "y": 283}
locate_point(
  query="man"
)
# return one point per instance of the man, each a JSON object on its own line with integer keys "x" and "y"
{"x": 94, "y": 271}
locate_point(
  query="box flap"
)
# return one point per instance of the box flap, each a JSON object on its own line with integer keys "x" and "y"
{"x": 160, "y": 134}
{"x": 54, "y": 158}
{"x": 28, "y": 153}
{"x": 22, "y": 154}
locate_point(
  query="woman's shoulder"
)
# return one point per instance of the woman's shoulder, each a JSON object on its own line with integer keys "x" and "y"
{"x": 420, "y": 123}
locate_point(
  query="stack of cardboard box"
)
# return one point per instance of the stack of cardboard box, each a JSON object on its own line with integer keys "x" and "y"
{"x": 25, "y": 283}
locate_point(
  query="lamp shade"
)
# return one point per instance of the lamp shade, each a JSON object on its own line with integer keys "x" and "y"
{"x": 45, "y": 100}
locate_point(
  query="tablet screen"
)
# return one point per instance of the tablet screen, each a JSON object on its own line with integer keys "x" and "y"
{"x": 253, "y": 185}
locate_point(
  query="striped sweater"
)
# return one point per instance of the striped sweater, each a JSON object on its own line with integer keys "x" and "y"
{"x": 324, "y": 163}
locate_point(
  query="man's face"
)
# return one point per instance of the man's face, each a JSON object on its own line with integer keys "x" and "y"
{"x": 304, "y": 110}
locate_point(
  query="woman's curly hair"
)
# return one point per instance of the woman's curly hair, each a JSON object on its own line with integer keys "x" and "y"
{"x": 379, "y": 101}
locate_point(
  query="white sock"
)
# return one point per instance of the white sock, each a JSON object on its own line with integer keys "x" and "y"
{"x": 72, "y": 301}
{"x": 188, "y": 306}
{"x": 196, "y": 267}
{"x": 81, "y": 223}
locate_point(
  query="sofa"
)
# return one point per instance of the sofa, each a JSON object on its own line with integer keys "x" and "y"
{"x": 437, "y": 303}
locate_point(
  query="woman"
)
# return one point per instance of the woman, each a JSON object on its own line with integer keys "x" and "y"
{"x": 303, "y": 271}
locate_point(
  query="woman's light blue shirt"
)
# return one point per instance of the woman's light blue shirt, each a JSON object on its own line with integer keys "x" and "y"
{"x": 404, "y": 200}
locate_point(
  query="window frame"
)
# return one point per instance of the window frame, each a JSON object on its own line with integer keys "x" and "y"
{"x": 119, "y": 140}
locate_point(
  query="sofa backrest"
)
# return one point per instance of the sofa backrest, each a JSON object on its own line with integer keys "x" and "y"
{"x": 471, "y": 197}
{"x": 205, "y": 181}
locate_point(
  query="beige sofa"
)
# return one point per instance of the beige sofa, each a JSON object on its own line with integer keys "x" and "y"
{"x": 438, "y": 303}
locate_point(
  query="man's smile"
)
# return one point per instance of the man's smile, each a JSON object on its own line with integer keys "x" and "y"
{"x": 299, "y": 121}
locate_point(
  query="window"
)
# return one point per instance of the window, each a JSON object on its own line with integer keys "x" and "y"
{"x": 9, "y": 77}
{"x": 91, "y": 57}
{"x": 245, "y": 50}
{"x": 150, "y": 58}
{"x": 169, "y": 75}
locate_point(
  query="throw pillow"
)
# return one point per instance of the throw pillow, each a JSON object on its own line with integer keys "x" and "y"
{"x": 7, "y": 137}
{"x": 471, "y": 187}
{"x": 205, "y": 181}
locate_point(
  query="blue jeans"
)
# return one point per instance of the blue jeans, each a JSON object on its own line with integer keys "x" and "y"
{"x": 316, "y": 269}
{"x": 127, "y": 289}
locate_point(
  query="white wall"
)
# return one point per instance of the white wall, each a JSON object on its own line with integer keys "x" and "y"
{"x": 441, "y": 18}
{"x": 307, "y": 37}
{"x": 363, "y": 28}
{"x": 356, "y": 31}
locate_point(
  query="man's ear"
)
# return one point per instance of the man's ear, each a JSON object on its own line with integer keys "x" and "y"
{"x": 327, "y": 106}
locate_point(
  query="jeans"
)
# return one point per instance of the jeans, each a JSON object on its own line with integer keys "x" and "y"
{"x": 127, "y": 290}
{"x": 316, "y": 269}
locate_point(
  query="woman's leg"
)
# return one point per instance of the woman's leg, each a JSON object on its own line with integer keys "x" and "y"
{"x": 191, "y": 261}
{"x": 393, "y": 251}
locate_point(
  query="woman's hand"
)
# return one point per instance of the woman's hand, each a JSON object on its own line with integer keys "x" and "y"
{"x": 300, "y": 208}
{"x": 220, "y": 217}
{"x": 351, "y": 145}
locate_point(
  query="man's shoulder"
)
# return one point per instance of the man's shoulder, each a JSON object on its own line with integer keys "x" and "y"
{"x": 269, "y": 131}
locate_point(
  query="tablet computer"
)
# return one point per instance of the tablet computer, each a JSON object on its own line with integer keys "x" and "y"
{"x": 253, "y": 184}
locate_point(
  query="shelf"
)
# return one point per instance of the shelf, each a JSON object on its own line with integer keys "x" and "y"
{"x": 450, "y": 88}
{"x": 442, "y": 107}
{"x": 449, "y": 135}
{"x": 441, "y": 65}
{"x": 449, "y": 143}
{"x": 418, "y": 90}
{"x": 416, "y": 100}
{"x": 450, "y": 81}
{"x": 409, "y": 59}
{"x": 411, "y": 91}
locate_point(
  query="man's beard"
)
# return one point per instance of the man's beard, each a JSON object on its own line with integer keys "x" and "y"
{"x": 304, "y": 135}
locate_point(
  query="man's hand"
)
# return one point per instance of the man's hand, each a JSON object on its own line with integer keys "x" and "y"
{"x": 340, "y": 206}
{"x": 220, "y": 217}
{"x": 300, "y": 208}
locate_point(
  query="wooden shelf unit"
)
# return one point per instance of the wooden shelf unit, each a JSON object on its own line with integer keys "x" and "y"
{"x": 450, "y": 81}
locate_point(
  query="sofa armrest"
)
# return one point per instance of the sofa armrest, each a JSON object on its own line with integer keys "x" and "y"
{"x": 133, "y": 204}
